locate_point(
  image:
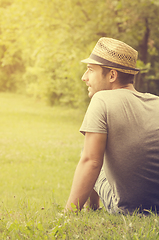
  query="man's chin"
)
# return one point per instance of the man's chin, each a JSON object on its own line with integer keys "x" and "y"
{"x": 90, "y": 95}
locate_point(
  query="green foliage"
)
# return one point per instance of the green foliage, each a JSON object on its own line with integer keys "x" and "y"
{"x": 50, "y": 223}
{"x": 144, "y": 68}
{"x": 42, "y": 42}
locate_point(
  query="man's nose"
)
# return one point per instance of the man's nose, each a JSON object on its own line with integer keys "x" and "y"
{"x": 85, "y": 76}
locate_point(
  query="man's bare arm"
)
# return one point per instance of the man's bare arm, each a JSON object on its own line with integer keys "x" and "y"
{"x": 88, "y": 169}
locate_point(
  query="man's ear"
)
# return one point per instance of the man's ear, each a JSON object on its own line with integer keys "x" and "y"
{"x": 113, "y": 75}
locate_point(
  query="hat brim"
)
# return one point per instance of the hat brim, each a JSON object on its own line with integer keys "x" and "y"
{"x": 92, "y": 61}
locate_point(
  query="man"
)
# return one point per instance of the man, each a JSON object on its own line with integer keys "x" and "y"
{"x": 120, "y": 160}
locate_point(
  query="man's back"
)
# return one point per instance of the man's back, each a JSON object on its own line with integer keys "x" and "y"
{"x": 131, "y": 162}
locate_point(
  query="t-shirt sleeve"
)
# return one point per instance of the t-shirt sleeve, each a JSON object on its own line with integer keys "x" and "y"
{"x": 95, "y": 119}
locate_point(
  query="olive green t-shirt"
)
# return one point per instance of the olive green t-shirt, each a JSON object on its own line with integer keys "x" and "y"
{"x": 131, "y": 160}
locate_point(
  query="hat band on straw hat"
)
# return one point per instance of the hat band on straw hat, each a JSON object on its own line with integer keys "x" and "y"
{"x": 111, "y": 64}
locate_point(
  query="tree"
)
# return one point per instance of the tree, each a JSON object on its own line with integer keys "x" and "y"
{"x": 42, "y": 43}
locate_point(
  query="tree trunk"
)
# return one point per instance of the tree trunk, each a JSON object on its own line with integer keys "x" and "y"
{"x": 143, "y": 52}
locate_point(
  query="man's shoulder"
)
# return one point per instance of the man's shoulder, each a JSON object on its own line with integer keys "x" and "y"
{"x": 112, "y": 94}
{"x": 117, "y": 99}
{"x": 124, "y": 93}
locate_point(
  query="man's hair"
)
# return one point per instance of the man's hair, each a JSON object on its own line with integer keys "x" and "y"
{"x": 105, "y": 71}
{"x": 124, "y": 78}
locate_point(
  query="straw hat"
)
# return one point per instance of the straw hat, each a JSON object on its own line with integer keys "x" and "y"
{"x": 115, "y": 54}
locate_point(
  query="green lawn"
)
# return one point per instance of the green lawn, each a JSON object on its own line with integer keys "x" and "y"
{"x": 40, "y": 147}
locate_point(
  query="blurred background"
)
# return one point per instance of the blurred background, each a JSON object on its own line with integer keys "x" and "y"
{"x": 43, "y": 41}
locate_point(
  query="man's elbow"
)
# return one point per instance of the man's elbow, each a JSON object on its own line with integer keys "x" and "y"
{"x": 94, "y": 163}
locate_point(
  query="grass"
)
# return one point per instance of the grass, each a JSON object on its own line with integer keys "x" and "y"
{"x": 40, "y": 147}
